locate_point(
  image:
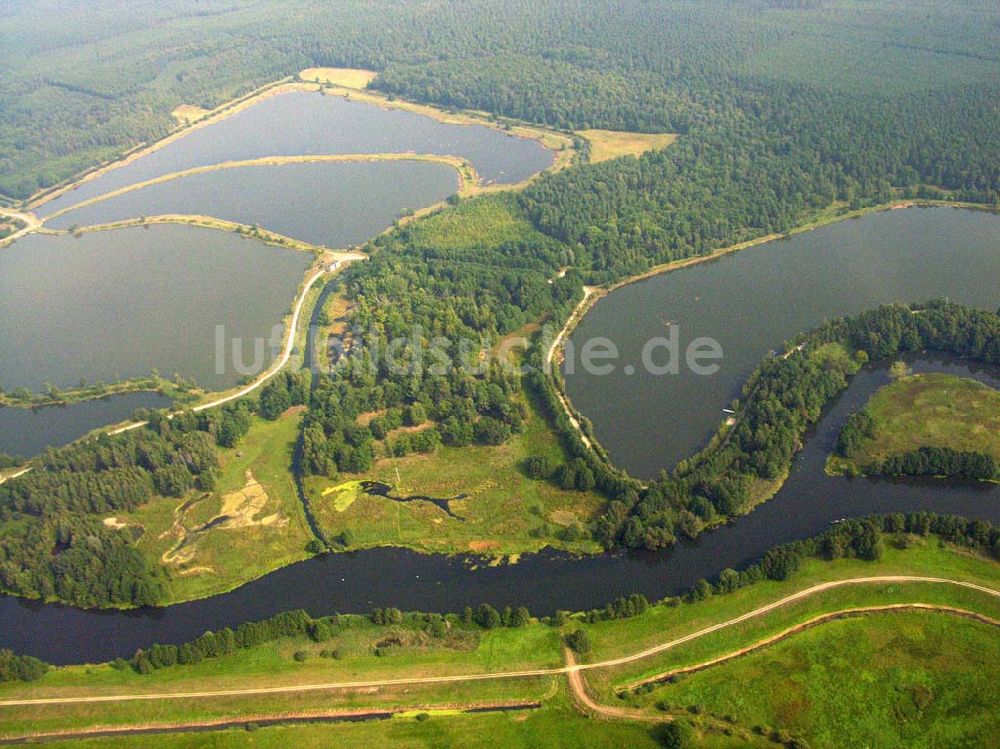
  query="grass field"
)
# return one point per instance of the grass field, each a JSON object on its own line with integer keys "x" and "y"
{"x": 505, "y": 512}
{"x": 610, "y": 144}
{"x": 930, "y": 410}
{"x": 483, "y": 223}
{"x": 346, "y": 77}
{"x": 557, "y": 724}
{"x": 885, "y": 680}
{"x": 923, "y": 556}
{"x": 266, "y": 528}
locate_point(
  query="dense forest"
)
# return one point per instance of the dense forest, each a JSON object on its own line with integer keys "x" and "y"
{"x": 86, "y": 82}
{"x": 774, "y": 123}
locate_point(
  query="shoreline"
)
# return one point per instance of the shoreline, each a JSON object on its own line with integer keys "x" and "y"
{"x": 558, "y": 143}
{"x": 466, "y": 171}
{"x": 599, "y": 292}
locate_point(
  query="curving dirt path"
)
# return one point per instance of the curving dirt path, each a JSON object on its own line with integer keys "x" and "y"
{"x": 590, "y": 295}
{"x": 30, "y": 221}
{"x": 572, "y": 669}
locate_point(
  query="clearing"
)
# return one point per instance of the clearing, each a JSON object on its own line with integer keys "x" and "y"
{"x": 252, "y": 524}
{"x": 346, "y": 77}
{"x": 188, "y": 113}
{"x": 610, "y": 144}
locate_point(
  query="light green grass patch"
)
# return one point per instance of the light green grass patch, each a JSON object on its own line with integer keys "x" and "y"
{"x": 263, "y": 535}
{"x": 343, "y": 495}
{"x": 503, "y": 514}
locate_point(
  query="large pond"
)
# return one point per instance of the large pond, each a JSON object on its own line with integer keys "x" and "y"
{"x": 335, "y": 204}
{"x": 299, "y": 123}
{"x": 752, "y": 301}
{"x": 808, "y": 503}
{"x": 121, "y": 303}
{"x": 28, "y": 431}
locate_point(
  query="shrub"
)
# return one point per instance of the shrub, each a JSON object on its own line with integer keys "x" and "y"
{"x": 579, "y": 641}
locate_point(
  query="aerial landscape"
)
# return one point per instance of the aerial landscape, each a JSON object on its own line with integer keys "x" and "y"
{"x": 428, "y": 373}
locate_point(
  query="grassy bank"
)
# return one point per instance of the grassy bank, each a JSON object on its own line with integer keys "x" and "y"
{"x": 367, "y": 652}
{"x": 922, "y": 556}
{"x": 898, "y": 679}
{"x": 928, "y": 410}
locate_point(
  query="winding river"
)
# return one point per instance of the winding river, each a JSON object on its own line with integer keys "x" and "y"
{"x": 805, "y": 506}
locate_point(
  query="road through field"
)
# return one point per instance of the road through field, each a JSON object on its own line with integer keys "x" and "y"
{"x": 570, "y": 668}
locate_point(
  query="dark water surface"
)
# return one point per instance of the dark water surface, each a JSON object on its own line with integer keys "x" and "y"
{"x": 335, "y": 204}
{"x": 118, "y": 304}
{"x": 28, "y": 431}
{"x": 359, "y": 581}
{"x": 752, "y": 301}
{"x": 299, "y": 123}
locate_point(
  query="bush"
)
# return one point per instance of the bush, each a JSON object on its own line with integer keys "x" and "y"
{"x": 675, "y": 735}
{"x": 539, "y": 467}
{"x": 579, "y": 641}
{"x": 300, "y": 655}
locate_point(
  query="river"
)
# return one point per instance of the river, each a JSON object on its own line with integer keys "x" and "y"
{"x": 360, "y": 581}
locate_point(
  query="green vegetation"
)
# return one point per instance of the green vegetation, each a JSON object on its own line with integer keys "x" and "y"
{"x": 503, "y": 510}
{"x": 789, "y": 111}
{"x": 665, "y": 67}
{"x": 488, "y": 223}
{"x": 264, "y": 527}
{"x": 557, "y": 724}
{"x": 911, "y": 679}
{"x": 63, "y": 537}
{"x": 917, "y": 412}
{"x": 178, "y": 390}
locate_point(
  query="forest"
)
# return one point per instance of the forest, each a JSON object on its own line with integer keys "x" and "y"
{"x": 768, "y": 139}
{"x": 84, "y": 86}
